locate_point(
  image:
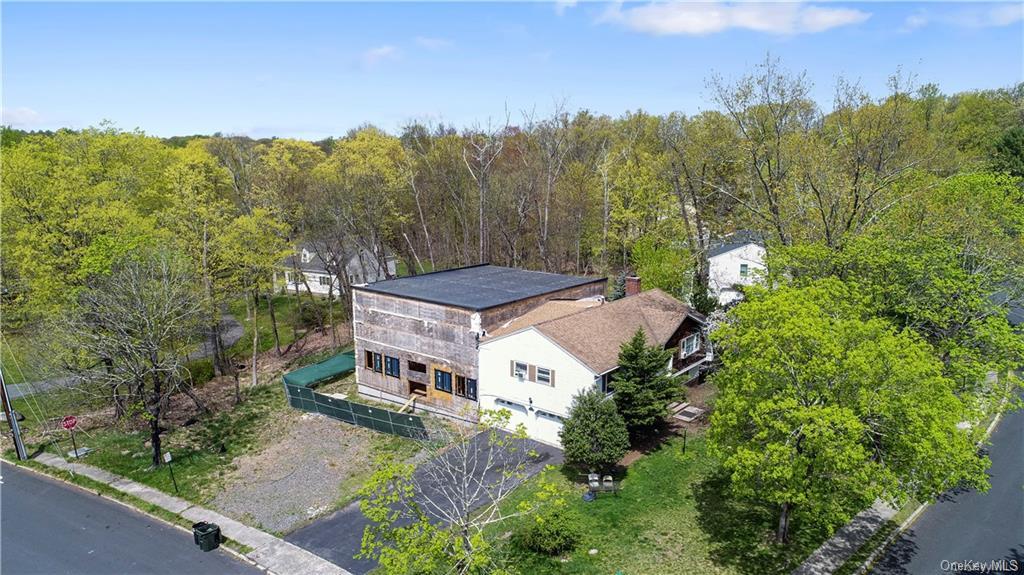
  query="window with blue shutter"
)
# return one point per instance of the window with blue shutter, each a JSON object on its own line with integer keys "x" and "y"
{"x": 471, "y": 389}
{"x": 377, "y": 363}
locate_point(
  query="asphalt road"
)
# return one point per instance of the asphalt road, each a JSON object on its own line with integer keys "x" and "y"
{"x": 51, "y": 528}
{"x": 966, "y": 526}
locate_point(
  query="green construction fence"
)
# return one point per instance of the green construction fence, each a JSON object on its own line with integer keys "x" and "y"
{"x": 298, "y": 386}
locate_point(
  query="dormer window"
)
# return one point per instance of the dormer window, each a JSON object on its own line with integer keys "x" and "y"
{"x": 306, "y": 256}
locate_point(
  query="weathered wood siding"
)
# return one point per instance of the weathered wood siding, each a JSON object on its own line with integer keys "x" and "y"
{"x": 438, "y": 336}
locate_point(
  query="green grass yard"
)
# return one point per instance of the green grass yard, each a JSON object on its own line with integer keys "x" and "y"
{"x": 673, "y": 515}
{"x": 202, "y": 452}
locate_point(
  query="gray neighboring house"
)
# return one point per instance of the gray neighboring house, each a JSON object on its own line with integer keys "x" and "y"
{"x": 362, "y": 266}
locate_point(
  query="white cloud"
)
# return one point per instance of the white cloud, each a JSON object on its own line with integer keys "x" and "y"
{"x": 562, "y": 5}
{"x": 914, "y": 21}
{"x": 702, "y": 18}
{"x": 981, "y": 16}
{"x": 23, "y": 118}
{"x": 374, "y": 56}
{"x": 993, "y": 16}
{"x": 433, "y": 43}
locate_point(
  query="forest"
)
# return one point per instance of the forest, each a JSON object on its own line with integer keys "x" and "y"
{"x": 930, "y": 178}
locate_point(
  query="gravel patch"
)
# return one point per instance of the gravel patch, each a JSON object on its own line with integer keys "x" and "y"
{"x": 303, "y": 474}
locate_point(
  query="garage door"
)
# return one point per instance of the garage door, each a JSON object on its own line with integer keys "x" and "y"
{"x": 540, "y": 425}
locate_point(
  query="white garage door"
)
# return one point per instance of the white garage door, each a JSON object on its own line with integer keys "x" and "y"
{"x": 540, "y": 425}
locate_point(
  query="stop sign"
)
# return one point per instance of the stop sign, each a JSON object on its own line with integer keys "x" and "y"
{"x": 69, "y": 422}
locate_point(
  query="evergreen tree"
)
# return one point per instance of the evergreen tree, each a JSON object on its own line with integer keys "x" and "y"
{"x": 594, "y": 437}
{"x": 642, "y": 385}
{"x": 618, "y": 287}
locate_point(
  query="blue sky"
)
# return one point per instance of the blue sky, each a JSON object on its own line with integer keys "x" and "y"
{"x": 320, "y": 69}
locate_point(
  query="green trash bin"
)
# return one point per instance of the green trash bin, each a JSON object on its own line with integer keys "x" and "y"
{"x": 206, "y": 535}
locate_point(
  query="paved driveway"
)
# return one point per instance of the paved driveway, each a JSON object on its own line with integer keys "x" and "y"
{"x": 965, "y": 526}
{"x": 339, "y": 536}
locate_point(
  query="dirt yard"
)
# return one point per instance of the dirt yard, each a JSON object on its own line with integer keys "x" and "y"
{"x": 313, "y": 467}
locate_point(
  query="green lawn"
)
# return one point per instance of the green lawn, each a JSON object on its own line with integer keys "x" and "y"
{"x": 673, "y": 515}
{"x": 202, "y": 452}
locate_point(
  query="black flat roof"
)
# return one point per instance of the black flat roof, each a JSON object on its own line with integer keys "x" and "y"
{"x": 477, "y": 287}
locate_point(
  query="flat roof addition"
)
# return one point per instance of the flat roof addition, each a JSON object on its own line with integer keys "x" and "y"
{"x": 477, "y": 287}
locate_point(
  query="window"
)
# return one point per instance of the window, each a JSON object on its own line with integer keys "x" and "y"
{"x": 392, "y": 366}
{"x": 689, "y": 345}
{"x": 512, "y": 404}
{"x": 325, "y": 280}
{"x": 460, "y": 386}
{"x": 369, "y": 359}
{"x": 377, "y": 363}
{"x": 548, "y": 415}
{"x": 306, "y": 256}
{"x": 442, "y": 380}
{"x": 544, "y": 376}
{"x": 471, "y": 389}
{"x": 520, "y": 369}
{"x": 416, "y": 366}
{"x": 744, "y": 270}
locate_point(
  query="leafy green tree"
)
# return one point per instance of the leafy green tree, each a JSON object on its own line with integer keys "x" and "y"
{"x": 662, "y": 266}
{"x": 823, "y": 409}
{"x": 75, "y": 203}
{"x": 423, "y": 522}
{"x": 642, "y": 385}
{"x": 944, "y": 266}
{"x": 594, "y": 436}
{"x": 251, "y": 250}
{"x": 1008, "y": 156}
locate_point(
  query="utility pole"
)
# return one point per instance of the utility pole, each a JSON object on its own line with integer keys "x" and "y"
{"x": 12, "y": 419}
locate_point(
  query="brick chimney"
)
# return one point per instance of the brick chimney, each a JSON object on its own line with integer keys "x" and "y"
{"x": 632, "y": 285}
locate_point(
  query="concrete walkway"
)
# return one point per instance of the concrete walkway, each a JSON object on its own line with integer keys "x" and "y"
{"x": 846, "y": 541}
{"x": 269, "y": 552}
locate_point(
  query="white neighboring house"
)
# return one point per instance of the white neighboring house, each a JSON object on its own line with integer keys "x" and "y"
{"x": 362, "y": 267}
{"x": 534, "y": 365}
{"x": 736, "y": 260}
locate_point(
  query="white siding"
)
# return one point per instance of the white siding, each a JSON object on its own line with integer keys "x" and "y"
{"x": 724, "y": 271}
{"x": 498, "y": 388}
{"x": 313, "y": 279}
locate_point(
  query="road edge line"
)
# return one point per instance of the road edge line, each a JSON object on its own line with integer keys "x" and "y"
{"x": 237, "y": 554}
{"x": 873, "y": 556}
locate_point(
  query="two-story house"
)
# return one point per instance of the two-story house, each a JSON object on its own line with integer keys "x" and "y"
{"x": 734, "y": 261}
{"x": 535, "y": 364}
{"x": 417, "y": 338}
{"x": 315, "y": 269}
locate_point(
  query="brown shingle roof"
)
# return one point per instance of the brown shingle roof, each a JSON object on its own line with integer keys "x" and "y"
{"x": 595, "y": 335}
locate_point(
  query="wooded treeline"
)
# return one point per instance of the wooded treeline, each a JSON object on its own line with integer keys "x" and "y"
{"x": 572, "y": 192}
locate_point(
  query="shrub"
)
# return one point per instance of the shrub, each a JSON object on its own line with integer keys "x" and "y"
{"x": 594, "y": 436}
{"x": 552, "y": 532}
